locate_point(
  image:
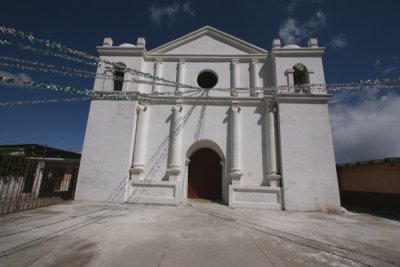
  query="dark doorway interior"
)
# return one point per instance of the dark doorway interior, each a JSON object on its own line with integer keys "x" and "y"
{"x": 205, "y": 175}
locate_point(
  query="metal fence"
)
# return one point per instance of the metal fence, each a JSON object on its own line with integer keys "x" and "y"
{"x": 30, "y": 183}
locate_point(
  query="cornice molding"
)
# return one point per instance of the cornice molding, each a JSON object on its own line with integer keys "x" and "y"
{"x": 298, "y": 52}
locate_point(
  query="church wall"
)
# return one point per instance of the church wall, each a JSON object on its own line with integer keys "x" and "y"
{"x": 211, "y": 124}
{"x": 106, "y": 153}
{"x": 215, "y": 128}
{"x": 266, "y": 74}
{"x": 169, "y": 70}
{"x": 252, "y": 148}
{"x": 205, "y": 45}
{"x": 303, "y": 175}
{"x": 222, "y": 69}
{"x": 157, "y": 141}
{"x": 307, "y": 158}
{"x": 244, "y": 75}
{"x": 147, "y": 67}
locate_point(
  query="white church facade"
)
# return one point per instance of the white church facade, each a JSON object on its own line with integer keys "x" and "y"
{"x": 234, "y": 141}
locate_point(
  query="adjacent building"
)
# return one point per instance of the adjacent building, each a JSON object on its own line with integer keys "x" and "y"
{"x": 373, "y": 184}
{"x": 34, "y": 175}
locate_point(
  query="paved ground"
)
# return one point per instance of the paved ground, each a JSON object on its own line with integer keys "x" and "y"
{"x": 194, "y": 234}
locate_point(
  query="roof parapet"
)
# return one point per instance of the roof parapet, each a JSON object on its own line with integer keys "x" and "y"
{"x": 141, "y": 42}
{"x": 313, "y": 42}
{"x": 276, "y": 43}
{"x": 108, "y": 42}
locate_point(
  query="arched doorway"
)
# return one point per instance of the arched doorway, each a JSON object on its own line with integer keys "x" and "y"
{"x": 205, "y": 175}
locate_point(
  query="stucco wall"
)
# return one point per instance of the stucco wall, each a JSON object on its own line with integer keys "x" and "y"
{"x": 378, "y": 178}
{"x": 106, "y": 153}
{"x": 206, "y": 45}
{"x": 307, "y": 159}
{"x": 108, "y": 147}
{"x": 205, "y": 123}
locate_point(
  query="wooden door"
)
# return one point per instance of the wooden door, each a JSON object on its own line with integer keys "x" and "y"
{"x": 205, "y": 175}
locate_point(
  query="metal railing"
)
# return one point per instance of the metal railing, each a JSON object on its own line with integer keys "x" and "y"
{"x": 29, "y": 183}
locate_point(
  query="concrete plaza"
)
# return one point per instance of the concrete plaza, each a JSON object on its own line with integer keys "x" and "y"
{"x": 194, "y": 234}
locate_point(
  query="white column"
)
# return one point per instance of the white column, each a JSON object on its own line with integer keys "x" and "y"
{"x": 180, "y": 76}
{"x": 185, "y": 180}
{"x": 290, "y": 79}
{"x": 234, "y": 77}
{"x": 175, "y": 143}
{"x": 225, "y": 183}
{"x": 311, "y": 76}
{"x": 108, "y": 81}
{"x": 271, "y": 177}
{"x": 254, "y": 77}
{"x": 139, "y": 154}
{"x": 157, "y": 73}
{"x": 126, "y": 86}
{"x": 311, "y": 80}
{"x": 235, "y": 170}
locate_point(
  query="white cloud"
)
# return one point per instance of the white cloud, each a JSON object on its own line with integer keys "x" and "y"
{"x": 170, "y": 12}
{"x": 187, "y": 9}
{"x": 383, "y": 70}
{"x": 291, "y": 32}
{"x": 338, "y": 42}
{"x": 366, "y": 125}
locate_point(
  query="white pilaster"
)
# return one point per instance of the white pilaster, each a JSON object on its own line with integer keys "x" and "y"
{"x": 311, "y": 76}
{"x": 139, "y": 154}
{"x": 126, "y": 86}
{"x": 235, "y": 172}
{"x": 175, "y": 144}
{"x": 311, "y": 88}
{"x": 185, "y": 180}
{"x": 234, "y": 77}
{"x": 157, "y": 73}
{"x": 180, "y": 77}
{"x": 108, "y": 81}
{"x": 271, "y": 177}
{"x": 290, "y": 79}
{"x": 254, "y": 82}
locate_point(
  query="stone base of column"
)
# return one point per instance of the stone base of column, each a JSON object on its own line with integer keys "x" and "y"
{"x": 235, "y": 176}
{"x": 256, "y": 197}
{"x": 234, "y": 92}
{"x": 179, "y": 91}
{"x": 136, "y": 172}
{"x": 273, "y": 180}
{"x": 254, "y": 92}
{"x": 172, "y": 174}
{"x": 154, "y": 192}
{"x": 268, "y": 92}
{"x": 128, "y": 190}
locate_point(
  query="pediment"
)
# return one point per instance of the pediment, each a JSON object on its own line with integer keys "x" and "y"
{"x": 208, "y": 41}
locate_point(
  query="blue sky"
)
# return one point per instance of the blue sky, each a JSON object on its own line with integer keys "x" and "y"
{"x": 361, "y": 37}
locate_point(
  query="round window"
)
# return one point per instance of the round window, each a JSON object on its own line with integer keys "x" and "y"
{"x": 207, "y": 79}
